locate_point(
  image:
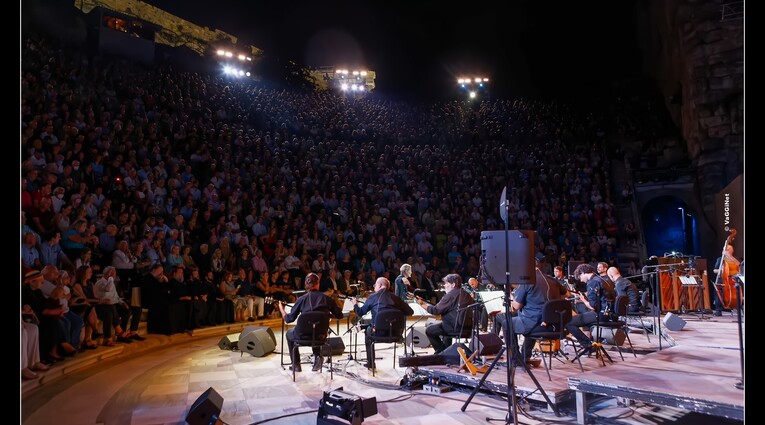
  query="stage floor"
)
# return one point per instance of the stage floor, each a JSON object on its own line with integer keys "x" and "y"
{"x": 156, "y": 381}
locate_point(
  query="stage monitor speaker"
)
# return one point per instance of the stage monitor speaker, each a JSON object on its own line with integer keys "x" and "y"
{"x": 673, "y": 322}
{"x": 486, "y": 344}
{"x": 257, "y": 342}
{"x": 206, "y": 409}
{"x": 610, "y": 336}
{"x": 336, "y": 345}
{"x": 252, "y": 328}
{"x": 451, "y": 356}
{"x": 508, "y": 259}
{"x": 417, "y": 338}
{"x": 229, "y": 342}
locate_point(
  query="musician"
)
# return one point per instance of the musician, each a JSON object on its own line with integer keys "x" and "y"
{"x": 598, "y": 303}
{"x": 382, "y": 299}
{"x": 732, "y": 263}
{"x": 403, "y": 286}
{"x": 454, "y": 317}
{"x": 624, "y": 287}
{"x": 430, "y": 286}
{"x": 528, "y": 301}
{"x": 472, "y": 288}
{"x": 312, "y": 300}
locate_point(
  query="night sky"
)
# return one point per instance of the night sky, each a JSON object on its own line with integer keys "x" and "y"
{"x": 420, "y": 48}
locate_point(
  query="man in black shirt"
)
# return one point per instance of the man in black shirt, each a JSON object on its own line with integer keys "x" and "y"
{"x": 454, "y": 316}
{"x": 313, "y": 300}
{"x": 382, "y": 299}
{"x": 600, "y": 297}
{"x": 624, "y": 287}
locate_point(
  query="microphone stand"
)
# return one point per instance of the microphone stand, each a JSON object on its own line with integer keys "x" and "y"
{"x": 408, "y": 330}
{"x": 738, "y": 285}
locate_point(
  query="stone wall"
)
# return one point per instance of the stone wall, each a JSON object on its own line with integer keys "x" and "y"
{"x": 698, "y": 60}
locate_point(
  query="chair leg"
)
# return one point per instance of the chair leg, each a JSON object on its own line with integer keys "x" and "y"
{"x": 394, "y": 355}
{"x": 331, "y": 375}
{"x": 295, "y": 351}
{"x": 544, "y": 362}
{"x": 631, "y": 347}
{"x": 371, "y": 358}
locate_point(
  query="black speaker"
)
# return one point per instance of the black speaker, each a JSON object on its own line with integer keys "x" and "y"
{"x": 257, "y": 342}
{"x": 417, "y": 338}
{"x": 229, "y": 342}
{"x": 486, "y": 344}
{"x": 611, "y": 336}
{"x": 572, "y": 265}
{"x": 451, "y": 355}
{"x": 673, "y": 322}
{"x": 336, "y": 345}
{"x": 206, "y": 409}
{"x": 252, "y": 328}
{"x": 511, "y": 257}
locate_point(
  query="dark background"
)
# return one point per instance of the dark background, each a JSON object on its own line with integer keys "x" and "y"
{"x": 420, "y": 48}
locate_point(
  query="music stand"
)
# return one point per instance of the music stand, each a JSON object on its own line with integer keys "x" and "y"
{"x": 511, "y": 360}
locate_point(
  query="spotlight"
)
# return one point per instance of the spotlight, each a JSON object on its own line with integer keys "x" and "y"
{"x": 349, "y": 407}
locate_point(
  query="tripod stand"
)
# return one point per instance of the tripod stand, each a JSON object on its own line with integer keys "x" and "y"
{"x": 525, "y": 251}
{"x": 512, "y": 360}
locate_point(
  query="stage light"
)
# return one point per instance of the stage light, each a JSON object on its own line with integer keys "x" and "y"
{"x": 346, "y": 406}
{"x": 221, "y": 53}
{"x": 227, "y": 70}
{"x": 247, "y": 73}
{"x": 355, "y": 72}
{"x": 229, "y": 54}
{"x": 241, "y": 57}
{"x": 472, "y": 95}
{"x": 241, "y": 73}
{"x": 485, "y": 80}
{"x": 363, "y": 73}
{"x": 344, "y": 87}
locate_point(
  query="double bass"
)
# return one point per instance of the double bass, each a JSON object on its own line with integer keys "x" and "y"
{"x": 725, "y": 283}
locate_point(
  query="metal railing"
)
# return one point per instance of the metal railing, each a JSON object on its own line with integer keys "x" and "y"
{"x": 732, "y": 11}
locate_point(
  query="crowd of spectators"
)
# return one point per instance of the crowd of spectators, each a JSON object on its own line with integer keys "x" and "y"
{"x": 210, "y": 195}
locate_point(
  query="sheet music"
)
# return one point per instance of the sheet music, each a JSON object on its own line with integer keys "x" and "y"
{"x": 347, "y": 306}
{"x": 419, "y": 311}
{"x": 492, "y": 300}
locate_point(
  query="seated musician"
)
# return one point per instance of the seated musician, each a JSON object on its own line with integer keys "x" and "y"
{"x": 454, "y": 317}
{"x": 624, "y": 287}
{"x": 598, "y": 303}
{"x": 528, "y": 301}
{"x": 382, "y": 299}
{"x": 473, "y": 287}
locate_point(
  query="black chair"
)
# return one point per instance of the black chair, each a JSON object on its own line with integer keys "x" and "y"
{"x": 388, "y": 329}
{"x": 641, "y": 313}
{"x": 621, "y": 306}
{"x": 312, "y": 330}
{"x": 555, "y": 316}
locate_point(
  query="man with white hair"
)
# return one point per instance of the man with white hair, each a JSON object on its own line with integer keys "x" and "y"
{"x": 403, "y": 285}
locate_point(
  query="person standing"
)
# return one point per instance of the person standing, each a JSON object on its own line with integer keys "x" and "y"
{"x": 403, "y": 286}
{"x": 454, "y": 315}
{"x": 312, "y": 300}
{"x": 381, "y": 300}
{"x": 732, "y": 264}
